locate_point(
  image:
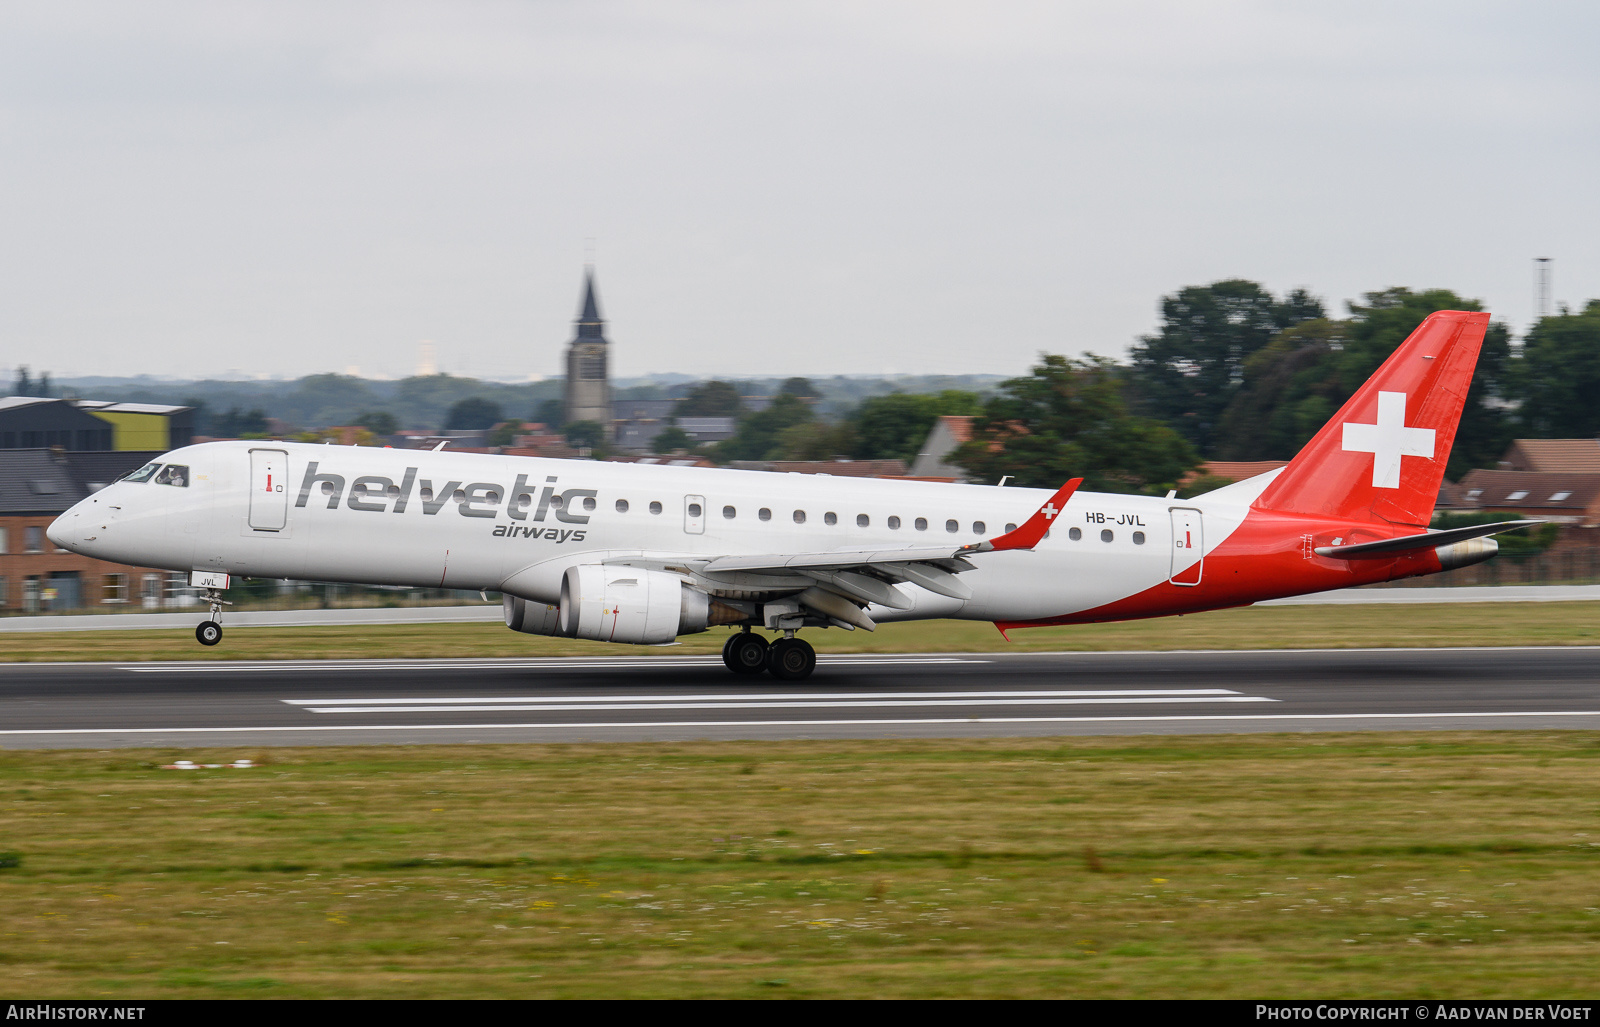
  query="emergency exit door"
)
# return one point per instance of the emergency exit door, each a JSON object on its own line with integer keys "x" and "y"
{"x": 1188, "y": 547}
{"x": 269, "y": 496}
{"x": 694, "y": 515}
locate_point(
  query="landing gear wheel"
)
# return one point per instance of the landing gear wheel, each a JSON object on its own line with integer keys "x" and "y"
{"x": 208, "y": 632}
{"x": 745, "y": 653}
{"x": 791, "y": 659}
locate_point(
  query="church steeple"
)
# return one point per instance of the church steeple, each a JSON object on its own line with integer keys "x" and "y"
{"x": 590, "y": 318}
{"x": 588, "y": 387}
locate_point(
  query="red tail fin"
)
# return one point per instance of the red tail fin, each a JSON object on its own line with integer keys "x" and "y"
{"x": 1382, "y": 456}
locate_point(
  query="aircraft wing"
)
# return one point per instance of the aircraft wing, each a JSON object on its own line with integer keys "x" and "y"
{"x": 869, "y": 574}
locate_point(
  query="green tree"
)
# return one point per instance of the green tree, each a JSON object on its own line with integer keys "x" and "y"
{"x": 584, "y": 434}
{"x": 1069, "y": 419}
{"x": 379, "y": 422}
{"x": 326, "y": 399}
{"x": 758, "y": 435}
{"x": 505, "y": 433}
{"x": 22, "y": 385}
{"x": 426, "y": 400}
{"x": 801, "y": 387}
{"x": 1290, "y": 390}
{"x": 816, "y": 440}
{"x": 473, "y": 414}
{"x": 1301, "y": 379}
{"x": 199, "y": 415}
{"x": 1558, "y": 380}
{"x": 236, "y": 424}
{"x": 1188, "y": 373}
{"x": 711, "y": 399}
{"x": 551, "y": 412}
{"x": 671, "y": 440}
{"x": 896, "y": 425}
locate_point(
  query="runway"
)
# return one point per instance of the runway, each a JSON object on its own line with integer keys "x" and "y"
{"x": 343, "y": 702}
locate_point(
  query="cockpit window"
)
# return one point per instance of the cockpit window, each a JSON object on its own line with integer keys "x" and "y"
{"x": 143, "y": 473}
{"x": 174, "y": 474}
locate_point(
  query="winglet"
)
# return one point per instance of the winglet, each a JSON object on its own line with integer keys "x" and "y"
{"x": 1028, "y": 536}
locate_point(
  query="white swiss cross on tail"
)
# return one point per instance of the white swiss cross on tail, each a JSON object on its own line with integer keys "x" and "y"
{"x": 1388, "y": 440}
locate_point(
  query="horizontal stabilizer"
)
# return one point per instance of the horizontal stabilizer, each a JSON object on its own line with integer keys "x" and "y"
{"x": 1408, "y": 543}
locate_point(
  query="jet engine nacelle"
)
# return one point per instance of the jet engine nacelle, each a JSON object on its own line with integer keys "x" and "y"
{"x": 531, "y": 617}
{"x": 628, "y": 604}
{"x": 1467, "y": 553}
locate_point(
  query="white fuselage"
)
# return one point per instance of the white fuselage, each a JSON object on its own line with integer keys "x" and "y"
{"x": 515, "y": 524}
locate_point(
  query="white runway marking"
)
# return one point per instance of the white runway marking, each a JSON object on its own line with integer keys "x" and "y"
{"x": 764, "y": 696}
{"x": 1192, "y": 718}
{"x": 768, "y": 701}
{"x": 775, "y": 704}
{"x": 626, "y": 663}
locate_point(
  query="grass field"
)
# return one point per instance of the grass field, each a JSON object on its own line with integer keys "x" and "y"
{"x": 1266, "y": 627}
{"x": 1373, "y": 865}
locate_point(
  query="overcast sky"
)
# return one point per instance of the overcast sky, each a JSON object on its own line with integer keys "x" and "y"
{"x": 771, "y": 188}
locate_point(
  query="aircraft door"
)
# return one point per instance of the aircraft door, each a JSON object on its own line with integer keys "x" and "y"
{"x": 269, "y": 498}
{"x": 1188, "y": 547}
{"x": 694, "y": 515}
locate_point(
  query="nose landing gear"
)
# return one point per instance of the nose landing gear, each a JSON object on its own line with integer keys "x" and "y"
{"x": 209, "y": 632}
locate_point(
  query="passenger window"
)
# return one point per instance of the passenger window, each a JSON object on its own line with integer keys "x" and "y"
{"x": 1138, "y": 538}
{"x": 729, "y": 512}
{"x": 655, "y": 507}
{"x": 1106, "y": 536}
{"x": 922, "y": 524}
{"x": 1075, "y": 534}
{"x": 830, "y": 518}
{"x": 1010, "y": 528}
{"x": 694, "y": 510}
{"x": 764, "y": 514}
{"x": 174, "y": 474}
{"x": 894, "y": 522}
{"x": 799, "y": 516}
{"x": 952, "y": 527}
{"x": 588, "y": 501}
{"x": 143, "y": 473}
{"x": 979, "y": 528}
{"x": 622, "y": 506}
{"x": 862, "y": 520}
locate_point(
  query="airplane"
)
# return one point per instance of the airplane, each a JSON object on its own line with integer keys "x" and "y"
{"x": 644, "y": 553}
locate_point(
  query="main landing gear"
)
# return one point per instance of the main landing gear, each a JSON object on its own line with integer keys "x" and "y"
{"x": 787, "y": 659}
{"x": 209, "y": 632}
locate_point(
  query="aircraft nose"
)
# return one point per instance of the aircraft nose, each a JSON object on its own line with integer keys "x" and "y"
{"x": 62, "y": 533}
{"x": 57, "y": 532}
